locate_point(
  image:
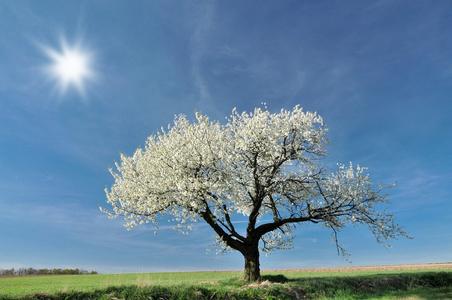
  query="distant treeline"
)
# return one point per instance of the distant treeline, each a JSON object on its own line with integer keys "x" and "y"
{"x": 32, "y": 271}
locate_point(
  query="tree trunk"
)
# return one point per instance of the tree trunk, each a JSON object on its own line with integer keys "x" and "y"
{"x": 252, "y": 270}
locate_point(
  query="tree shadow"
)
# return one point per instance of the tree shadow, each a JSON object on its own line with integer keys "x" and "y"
{"x": 279, "y": 278}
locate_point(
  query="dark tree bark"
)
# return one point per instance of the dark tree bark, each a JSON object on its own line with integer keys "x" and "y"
{"x": 252, "y": 270}
{"x": 249, "y": 246}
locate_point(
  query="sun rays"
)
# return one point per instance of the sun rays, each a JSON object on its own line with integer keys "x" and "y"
{"x": 71, "y": 67}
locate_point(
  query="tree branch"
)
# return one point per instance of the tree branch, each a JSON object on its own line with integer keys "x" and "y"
{"x": 265, "y": 228}
{"x": 208, "y": 216}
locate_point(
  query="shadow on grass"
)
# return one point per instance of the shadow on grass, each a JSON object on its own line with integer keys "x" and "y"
{"x": 275, "y": 278}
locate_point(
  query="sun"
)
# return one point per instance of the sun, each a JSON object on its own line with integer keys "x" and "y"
{"x": 70, "y": 67}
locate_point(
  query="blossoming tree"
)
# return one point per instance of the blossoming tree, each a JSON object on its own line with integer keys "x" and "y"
{"x": 262, "y": 167}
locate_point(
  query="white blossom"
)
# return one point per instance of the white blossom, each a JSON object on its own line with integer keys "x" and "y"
{"x": 264, "y": 166}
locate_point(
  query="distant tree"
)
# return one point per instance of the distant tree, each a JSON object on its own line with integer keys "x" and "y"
{"x": 57, "y": 271}
{"x": 43, "y": 271}
{"x": 266, "y": 167}
{"x": 31, "y": 271}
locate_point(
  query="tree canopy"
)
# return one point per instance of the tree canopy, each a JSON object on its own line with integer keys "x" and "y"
{"x": 262, "y": 165}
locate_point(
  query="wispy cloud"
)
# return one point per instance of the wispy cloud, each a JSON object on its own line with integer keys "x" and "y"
{"x": 203, "y": 16}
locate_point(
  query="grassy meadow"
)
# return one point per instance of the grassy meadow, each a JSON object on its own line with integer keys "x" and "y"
{"x": 425, "y": 284}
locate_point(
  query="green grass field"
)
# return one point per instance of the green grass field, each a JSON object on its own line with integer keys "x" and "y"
{"x": 227, "y": 285}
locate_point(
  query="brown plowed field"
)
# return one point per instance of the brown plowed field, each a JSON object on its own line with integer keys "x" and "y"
{"x": 436, "y": 266}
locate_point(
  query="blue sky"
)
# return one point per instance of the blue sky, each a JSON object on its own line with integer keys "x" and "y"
{"x": 378, "y": 72}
